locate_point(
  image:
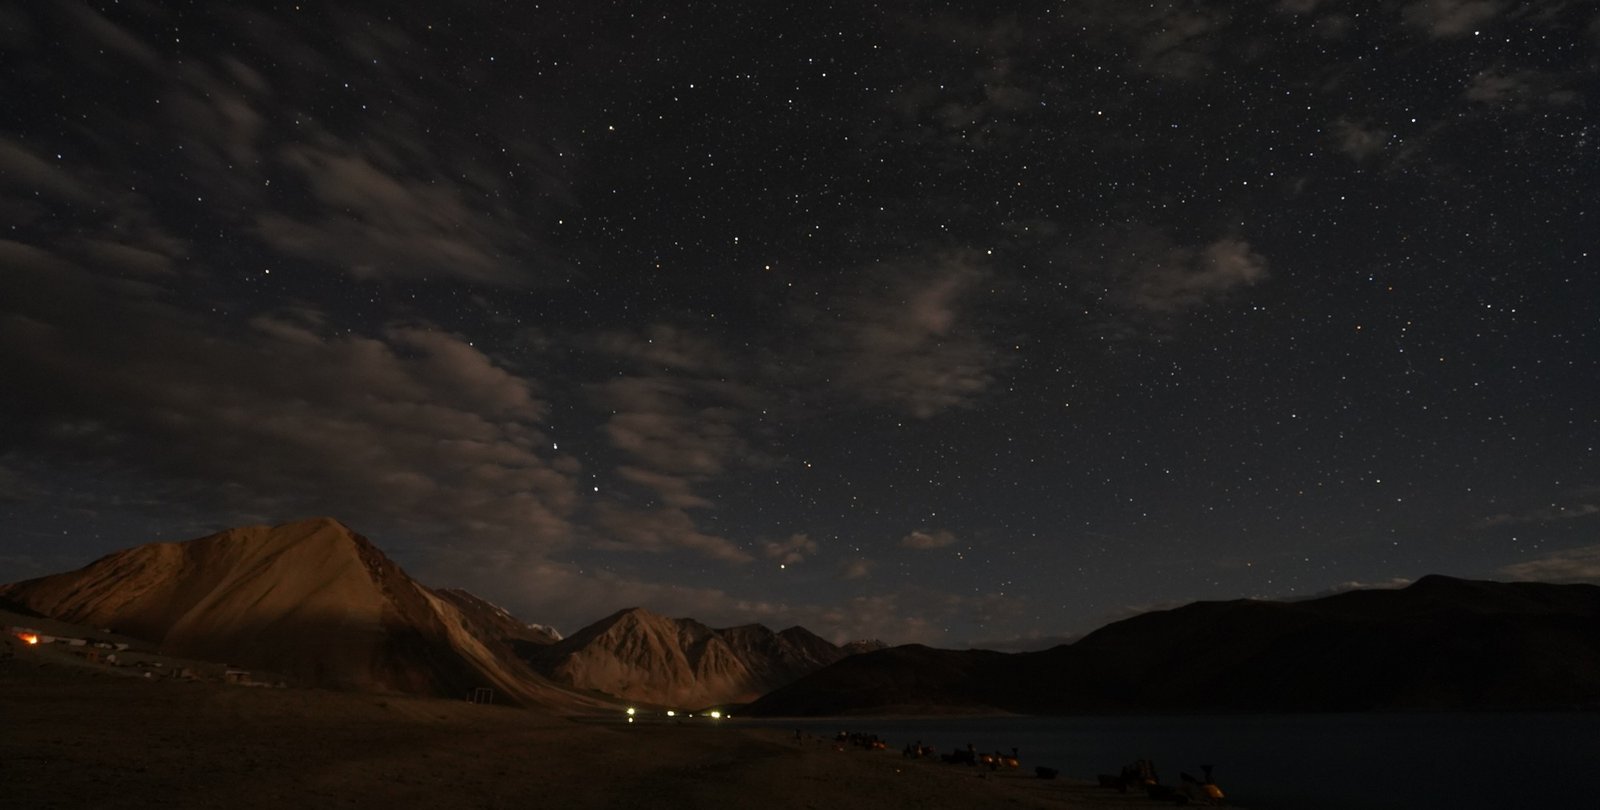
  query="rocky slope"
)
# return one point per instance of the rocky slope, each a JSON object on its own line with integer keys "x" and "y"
{"x": 309, "y": 600}
{"x": 487, "y": 620}
{"x": 639, "y": 656}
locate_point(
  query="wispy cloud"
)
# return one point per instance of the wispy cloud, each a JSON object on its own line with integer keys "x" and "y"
{"x": 1142, "y": 272}
{"x": 399, "y": 200}
{"x": 665, "y": 347}
{"x": 282, "y": 414}
{"x": 373, "y": 221}
{"x": 974, "y": 103}
{"x": 1571, "y": 565}
{"x": 908, "y": 339}
{"x": 1451, "y": 18}
{"x": 625, "y": 528}
{"x": 923, "y": 539}
{"x": 1543, "y": 514}
{"x": 1182, "y": 278}
{"x": 679, "y": 422}
{"x": 25, "y": 170}
{"x": 856, "y": 568}
{"x": 791, "y": 551}
{"x": 679, "y": 433}
{"x": 1518, "y": 90}
{"x": 1184, "y": 45}
{"x": 1362, "y": 142}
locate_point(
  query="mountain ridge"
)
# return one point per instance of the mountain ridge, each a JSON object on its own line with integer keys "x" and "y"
{"x": 316, "y": 601}
{"x": 1441, "y": 643}
{"x": 636, "y": 655}
{"x": 310, "y": 599}
{"x": 323, "y": 605}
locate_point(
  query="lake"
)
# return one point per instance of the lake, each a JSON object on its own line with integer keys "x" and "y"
{"x": 1463, "y": 761}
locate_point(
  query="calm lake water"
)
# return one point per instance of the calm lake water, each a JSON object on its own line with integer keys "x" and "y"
{"x": 1295, "y": 762}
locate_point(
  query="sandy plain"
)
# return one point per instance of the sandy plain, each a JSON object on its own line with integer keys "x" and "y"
{"x": 73, "y": 737}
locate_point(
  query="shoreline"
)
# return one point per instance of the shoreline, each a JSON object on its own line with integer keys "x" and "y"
{"x": 77, "y": 739}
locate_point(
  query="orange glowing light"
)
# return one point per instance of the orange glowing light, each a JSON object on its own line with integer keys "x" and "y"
{"x": 29, "y": 638}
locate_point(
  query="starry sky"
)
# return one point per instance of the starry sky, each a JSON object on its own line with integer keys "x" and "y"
{"x": 964, "y": 324}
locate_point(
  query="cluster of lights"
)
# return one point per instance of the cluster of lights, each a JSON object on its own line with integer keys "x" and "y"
{"x": 714, "y": 714}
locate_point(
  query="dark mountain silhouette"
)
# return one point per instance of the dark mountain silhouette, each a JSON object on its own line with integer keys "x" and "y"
{"x": 639, "y": 656}
{"x": 1441, "y": 643}
{"x": 864, "y": 645}
{"x": 910, "y": 679}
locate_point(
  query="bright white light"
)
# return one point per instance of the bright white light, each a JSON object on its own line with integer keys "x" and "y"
{"x": 630, "y": 711}
{"x": 671, "y": 713}
{"x": 716, "y": 715}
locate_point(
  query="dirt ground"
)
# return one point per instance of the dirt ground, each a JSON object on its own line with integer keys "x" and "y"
{"x": 72, "y": 737}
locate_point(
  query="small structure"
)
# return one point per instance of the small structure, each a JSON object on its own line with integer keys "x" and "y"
{"x": 29, "y": 635}
{"x": 482, "y": 694}
{"x": 236, "y": 675}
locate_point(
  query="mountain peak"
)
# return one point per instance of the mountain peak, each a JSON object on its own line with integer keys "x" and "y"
{"x": 627, "y": 621}
{"x": 310, "y": 600}
{"x": 263, "y": 595}
{"x": 637, "y": 655}
{"x": 321, "y": 526}
{"x": 629, "y": 614}
{"x": 316, "y": 522}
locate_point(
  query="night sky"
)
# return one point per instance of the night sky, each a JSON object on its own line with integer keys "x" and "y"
{"x": 951, "y": 323}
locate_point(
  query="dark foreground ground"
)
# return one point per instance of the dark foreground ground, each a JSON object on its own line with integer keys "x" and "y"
{"x": 71, "y": 737}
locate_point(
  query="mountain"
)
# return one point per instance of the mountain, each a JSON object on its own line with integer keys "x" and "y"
{"x": 910, "y": 679}
{"x": 545, "y": 631}
{"x": 309, "y": 600}
{"x": 775, "y": 659}
{"x": 489, "y": 620}
{"x": 1441, "y": 643}
{"x": 863, "y": 645}
{"x": 639, "y": 656}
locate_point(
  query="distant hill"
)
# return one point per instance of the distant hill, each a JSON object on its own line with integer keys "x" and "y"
{"x": 777, "y": 659}
{"x": 1441, "y": 643}
{"x": 910, "y": 679}
{"x": 864, "y": 645}
{"x": 311, "y": 600}
{"x": 639, "y": 656}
